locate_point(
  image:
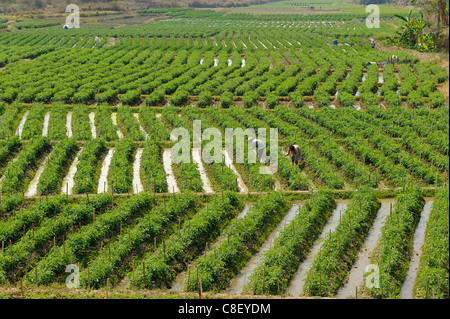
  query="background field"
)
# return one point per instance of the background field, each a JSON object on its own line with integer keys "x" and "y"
{"x": 87, "y": 177}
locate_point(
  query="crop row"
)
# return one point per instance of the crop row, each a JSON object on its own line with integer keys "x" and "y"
{"x": 146, "y": 229}
{"x": 54, "y": 223}
{"x": 174, "y": 253}
{"x": 21, "y": 168}
{"x": 393, "y": 251}
{"x": 86, "y": 176}
{"x": 76, "y": 245}
{"x": 153, "y": 168}
{"x": 290, "y": 248}
{"x": 243, "y": 237}
{"x": 432, "y": 273}
{"x": 120, "y": 172}
{"x": 331, "y": 265}
{"x": 355, "y": 130}
{"x": 56, "y": 166}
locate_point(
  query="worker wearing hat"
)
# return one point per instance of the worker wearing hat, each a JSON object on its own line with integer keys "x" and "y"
{"x": 260, "y": 148}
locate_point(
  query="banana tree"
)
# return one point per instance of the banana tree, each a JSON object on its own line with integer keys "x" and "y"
{"x": 411, "y": 33}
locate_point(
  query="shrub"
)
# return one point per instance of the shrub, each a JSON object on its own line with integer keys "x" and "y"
{"x": 179, "y": 97}
{"x": 437, "y": 99}
{"x": 131, "y": 97}
{"x": 296, "y": 98}
{"x": 250, "y": 98}
{"x": 415, "y": 99}
{"x": 272, "y": 100}
{"x": 392, "y": 99}
{"x": 346, "y": 99}
{"x": 226, "y": 99}
{"x": 155, "y": 98}
{"x": 204, "y": 98}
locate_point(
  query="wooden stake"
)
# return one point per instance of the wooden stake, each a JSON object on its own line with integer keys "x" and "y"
{"x": 264, "y": 278}
{"x": 200, "y": 286}
{"x": 21, "y": 289}
{"x": 164, "y": 247}
{"x": 188, "y": 279}
{"x": 143, "y": 273}
{"x": 320, "y": 284}
{"x": 197, "y": 278}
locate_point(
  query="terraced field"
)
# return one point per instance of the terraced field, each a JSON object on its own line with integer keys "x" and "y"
{"x": 88, "y": 175}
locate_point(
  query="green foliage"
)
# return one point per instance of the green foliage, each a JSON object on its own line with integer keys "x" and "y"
{"x": 152, "y": 166}
{"x": 175, "y": 252}
{"x": 148, "y": 227}
{"x": 120, "y": 174}
{"x": 432, "y": 274}
{"x": 393, "y": 251}
{"x": 281, "y": 261}
{"x": 77, "y": 244}
{"x": 85, "y": 178}
{"x": 57, "y": 166}
{"x": 17, "y": 171}
{"x": 226, "y": 99}
{"x": 331, "y": 265}
{"x": 244, "y": 236}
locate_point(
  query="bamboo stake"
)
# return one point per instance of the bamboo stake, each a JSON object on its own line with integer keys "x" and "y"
{"x": 143, "y": 273}
{"x": 164, "y": 247}
{"x": 264, "y": 278}
{"x": 188, "y": 279}
{"x": 200, "y": 286}
{"x": 21, "y": 289}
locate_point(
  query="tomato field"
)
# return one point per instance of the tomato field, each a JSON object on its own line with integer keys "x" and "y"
{"x": 87, "y": 176}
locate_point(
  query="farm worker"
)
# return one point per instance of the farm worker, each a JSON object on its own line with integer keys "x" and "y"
{"x": 261, "y": 149}
{"x": 295, "y": 153}
{"x": 372, "y": 43}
